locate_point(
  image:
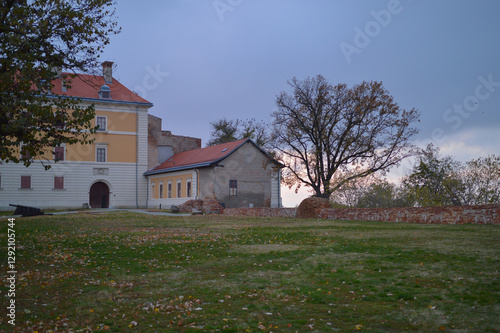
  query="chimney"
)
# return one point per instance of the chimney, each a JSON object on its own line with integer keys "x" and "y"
{"x": 107, "y": 71}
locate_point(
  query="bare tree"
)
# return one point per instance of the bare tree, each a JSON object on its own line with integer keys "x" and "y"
{"x": 320, "y": 130}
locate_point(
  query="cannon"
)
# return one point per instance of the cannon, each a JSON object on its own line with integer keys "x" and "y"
{"x": 26, "y": 210}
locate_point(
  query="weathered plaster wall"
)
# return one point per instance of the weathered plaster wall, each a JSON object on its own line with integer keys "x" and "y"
{"x": 250, "y": 168}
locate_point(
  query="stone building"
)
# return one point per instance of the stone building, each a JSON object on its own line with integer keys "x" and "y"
{"x": 236, "y": 174}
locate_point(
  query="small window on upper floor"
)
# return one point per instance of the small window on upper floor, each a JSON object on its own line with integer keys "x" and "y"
{"x": 59, "y": 153}
{"x": 24, "y": 152}
{"x": 101, "y": 123}
{"x": 105, "y": 92}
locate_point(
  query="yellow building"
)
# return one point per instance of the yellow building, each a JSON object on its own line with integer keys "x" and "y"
{"x": 107, "y": 173}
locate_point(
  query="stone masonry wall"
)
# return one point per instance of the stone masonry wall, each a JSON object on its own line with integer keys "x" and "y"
{"x": 261, "y": 211}
{"x": 481, "y": 214}
{"x": 157, "y": 137}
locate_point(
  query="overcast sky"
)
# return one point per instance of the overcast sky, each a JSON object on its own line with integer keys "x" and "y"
{"x": 202, "y": 60}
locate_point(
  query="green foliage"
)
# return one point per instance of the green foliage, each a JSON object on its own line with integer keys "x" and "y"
{"x": 370, "y": 192}
{"x": 328, "y": 135}
{"x": 37, "y": 40}
{"x": 442, "y": 181}
{"x": 225, "y": 130}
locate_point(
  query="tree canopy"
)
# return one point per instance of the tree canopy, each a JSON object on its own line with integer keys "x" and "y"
{"x": 437, "y": 180}
{"x": 321, "y": 131}
{"x": 39, "y": 39}
{"x": 227, "y": 130}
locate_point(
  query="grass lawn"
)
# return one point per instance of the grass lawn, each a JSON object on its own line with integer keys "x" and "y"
{"x": 119, "y": 272}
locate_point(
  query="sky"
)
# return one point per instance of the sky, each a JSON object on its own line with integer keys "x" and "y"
{"x": 199, "y": 61}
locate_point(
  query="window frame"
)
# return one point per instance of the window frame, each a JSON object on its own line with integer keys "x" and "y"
{"x": 189, "y": 188}
{"x": 233, "y": 187}
{"x": 63, "y": 153}
{"x": 160, "y": 190}
{"x": 23, "y": 153}
{"x": 179, "y": 189}
{"x": 97, "y": 155}
{"x": 23, "y": 180}
{"x": 169, "y": 189}
{"x": 61, "y": 178}
{"x": 99, "y": 129}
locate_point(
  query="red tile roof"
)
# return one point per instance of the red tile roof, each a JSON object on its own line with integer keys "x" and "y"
{"x": 198, "y": 157}
{"x": 88, "y": 86}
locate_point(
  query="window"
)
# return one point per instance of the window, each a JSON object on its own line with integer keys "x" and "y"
{"x": 59, "y": 183}
{"x": 59, "y": 153}
{"x": 60, "y": 124}
{"x": 105, "y": 92}
{"x": 169, "y": 190}
{"x": 179, "y": 189}
{"x": 101, "y": 123}
{"x": 188, "y": 188}
{"x": 161, "y": 189}
{"x": 233, "y": 187}
{"x": 26, "y": 182}
{"x": 101, "y": 154}
{"x": 24, "y": 152}
{"x": 64, "y": 86}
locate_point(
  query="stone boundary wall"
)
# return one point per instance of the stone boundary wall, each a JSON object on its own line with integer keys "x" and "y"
{"x": 481, "y": 214}
{"x": 261, "y": 211}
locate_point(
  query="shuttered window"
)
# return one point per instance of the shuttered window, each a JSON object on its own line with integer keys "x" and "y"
{"x": 59, "y": 183}
{"x": 59, "y": 153}
{"x": 25, "y": 181}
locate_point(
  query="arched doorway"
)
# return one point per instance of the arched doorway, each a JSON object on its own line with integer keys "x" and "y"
{"x": 99, "y": 195}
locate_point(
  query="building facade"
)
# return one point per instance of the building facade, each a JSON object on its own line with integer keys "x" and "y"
{"x": 236, "y": 174}
{"x": 108, "y": 172}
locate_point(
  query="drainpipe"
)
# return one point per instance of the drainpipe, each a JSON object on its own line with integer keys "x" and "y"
{"x": 197, "y": 184}
{"x": 137, "y": 157}
{"x": 279, "y": 188}
{"x": 147, "y": 193}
